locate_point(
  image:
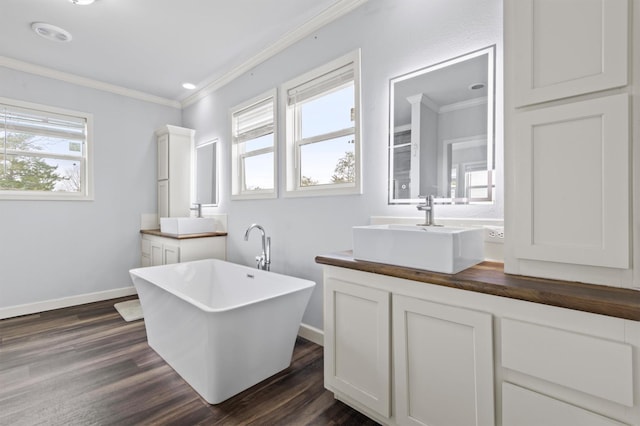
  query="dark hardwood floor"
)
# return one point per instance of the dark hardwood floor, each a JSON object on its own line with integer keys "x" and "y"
{"x": 85, "y": 365}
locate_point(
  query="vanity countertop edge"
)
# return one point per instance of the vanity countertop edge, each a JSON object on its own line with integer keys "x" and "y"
{"x": 157, "y": 233}
{"x": 489, "y": 278}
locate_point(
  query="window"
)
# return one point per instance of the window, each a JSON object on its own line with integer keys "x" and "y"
{"x": 253, "y": 148}
{"x": 44, "y": 152}
{"x": 323, "y": 130}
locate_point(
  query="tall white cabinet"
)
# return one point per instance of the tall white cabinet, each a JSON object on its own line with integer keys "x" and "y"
{"x": 175, "y": 146}
{"x": 567, "y": 140}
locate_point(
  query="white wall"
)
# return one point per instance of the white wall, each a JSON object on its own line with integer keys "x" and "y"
{"x": 395, "y": 37}
{"x": 61, "y": 249}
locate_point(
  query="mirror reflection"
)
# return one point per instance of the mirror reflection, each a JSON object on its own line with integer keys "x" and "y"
{"x": 441, "y": 132}
{"x": 205, "y": 173}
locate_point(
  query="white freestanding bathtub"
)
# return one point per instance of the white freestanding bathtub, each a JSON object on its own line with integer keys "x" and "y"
{"x": 223, "y": 327}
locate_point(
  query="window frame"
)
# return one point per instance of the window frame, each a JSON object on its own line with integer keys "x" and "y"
{"x": 294, "y": 140}
{"x": 238, "y": 155}
{"x": 86, "y": 160}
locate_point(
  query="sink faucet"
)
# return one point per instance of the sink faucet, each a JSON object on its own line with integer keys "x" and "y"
{"x": 428, "y": 209}
{"x": 264, "y": 260}
{"x": 197, "y": 208}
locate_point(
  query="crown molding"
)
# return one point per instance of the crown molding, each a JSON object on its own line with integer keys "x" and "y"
{"x": 464, "y": 104}
{"x": 338, "y": 9}
{"x": 86, "y": 82}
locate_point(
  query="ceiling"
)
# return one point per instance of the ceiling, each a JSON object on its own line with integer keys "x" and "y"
{"x": 153, "y": 46}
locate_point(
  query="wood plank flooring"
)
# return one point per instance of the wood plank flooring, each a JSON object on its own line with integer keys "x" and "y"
{"x": 85, "y": 365}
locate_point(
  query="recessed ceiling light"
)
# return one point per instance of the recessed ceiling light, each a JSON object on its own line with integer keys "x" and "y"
{"x": 82, "y": 2}
{"x": 189, "y": 86}
{"x": 51, "y": 32}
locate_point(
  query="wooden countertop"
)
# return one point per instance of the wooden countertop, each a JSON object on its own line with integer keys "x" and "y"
{"x": 489, "y": 278}
{"x": 157, "y": 232}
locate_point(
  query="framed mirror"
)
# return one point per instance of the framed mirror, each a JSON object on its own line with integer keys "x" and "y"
{"x": 205, "y": 173}
{"x": 441, "y": 132}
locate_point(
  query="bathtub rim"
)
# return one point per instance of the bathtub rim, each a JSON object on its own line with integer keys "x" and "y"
{"x": 305, "y": 284}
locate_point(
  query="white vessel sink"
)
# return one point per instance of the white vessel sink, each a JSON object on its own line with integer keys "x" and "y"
{"x": 434, "y": 248}
{"x": 187, "y": 225}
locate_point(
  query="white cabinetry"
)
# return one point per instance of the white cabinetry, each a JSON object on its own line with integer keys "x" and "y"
{"x": 567, "y": 48}
{"x": 524, "y": 407}
{"x": 357, "y": 328}
{"x": 175, "y": 145}
{"x": 443, "y": 358}
{"x": 567, "y": 140}
{"x": 409, "y": 353}
{"x": 442, "y": 355}
{"x": 158, "y": 250}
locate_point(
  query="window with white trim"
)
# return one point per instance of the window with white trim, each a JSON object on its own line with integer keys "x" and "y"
{"x": 323, "y": 129}
{"x": 253, "y": 136}
{"x": 44, "y": 152}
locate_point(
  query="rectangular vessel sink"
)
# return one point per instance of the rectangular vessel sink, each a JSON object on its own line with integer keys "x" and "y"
{"x": 187, "y": 225}
{"x": 435, "y": 248}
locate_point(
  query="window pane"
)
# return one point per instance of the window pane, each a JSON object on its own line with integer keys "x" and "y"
{"x": 327, "y": 162}
{"x": 478, "y": 193}
{"x": 258, "y": 172}
{"x": 25, "y": 173}
{"x": 262, "y": 142}
{"x": 328, "y": 113}
{"x": 402, "y": 138}
{"x": 43, "y": 144}
{"x": 479, "y": 178}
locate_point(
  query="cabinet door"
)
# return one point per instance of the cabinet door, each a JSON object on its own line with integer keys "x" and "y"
{"x": 170, "y": 253}
{"x": 163, "y": 157}
{"x": 573, "y": 183}
{"x": 145, "y": 252}
{"x": 443, "y": 357}
{"x": 567, "y": 48}
{"x": 163, "y": 198}
{"x": 156, "y": 254}
{"x": 357, "y": 349}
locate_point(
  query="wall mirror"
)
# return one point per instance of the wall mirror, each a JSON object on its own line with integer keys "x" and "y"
{"x": 441, "y": 132}
{"x": 205, "y": 173}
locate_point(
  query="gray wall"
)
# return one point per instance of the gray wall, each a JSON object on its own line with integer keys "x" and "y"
{"x": 57, "y": 249}
{"x": 395, "y": 37}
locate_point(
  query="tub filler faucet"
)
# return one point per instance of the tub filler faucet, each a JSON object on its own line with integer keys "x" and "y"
{"x": 264, "y": 260}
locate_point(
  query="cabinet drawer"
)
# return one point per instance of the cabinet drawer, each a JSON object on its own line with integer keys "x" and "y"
{"x": 585, "y": 363}
{"x": 523, "y": 407}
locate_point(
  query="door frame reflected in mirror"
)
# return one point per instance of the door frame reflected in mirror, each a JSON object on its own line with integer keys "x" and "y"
{"x": 482, "y": 191}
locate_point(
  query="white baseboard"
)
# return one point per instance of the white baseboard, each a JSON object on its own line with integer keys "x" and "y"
{"x": 312, "y": 334}
{"x": 47, "y": 305}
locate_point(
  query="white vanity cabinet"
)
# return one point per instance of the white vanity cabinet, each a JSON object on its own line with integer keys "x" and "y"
{"x": 175, "y": 145}
{"x": 160, "y": 250}
{"x": 408, "y": 352}
{"x": 440, "y": 356}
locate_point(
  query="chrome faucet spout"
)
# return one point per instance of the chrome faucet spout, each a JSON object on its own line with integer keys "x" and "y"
{"x": 428, "y": 210}
{"x": 263, "y": 261}
{"x": 197, "y": 208}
